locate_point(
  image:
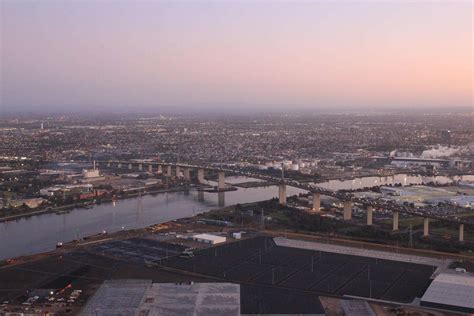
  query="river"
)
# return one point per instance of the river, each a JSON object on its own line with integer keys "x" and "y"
{"x": 40, "y": 233}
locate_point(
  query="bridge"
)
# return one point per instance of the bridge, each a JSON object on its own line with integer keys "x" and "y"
{"x": 348, "y": 199}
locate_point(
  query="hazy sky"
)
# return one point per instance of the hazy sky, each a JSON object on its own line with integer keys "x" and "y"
{"x": 251, "y": 55}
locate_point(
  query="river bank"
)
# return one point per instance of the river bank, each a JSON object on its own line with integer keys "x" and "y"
{"x": 35, "y": 234}
{"x": 85, "y": 204}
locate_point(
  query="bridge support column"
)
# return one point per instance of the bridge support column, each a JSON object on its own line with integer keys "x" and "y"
{"x": 396, "y": 215}
{"x": 426, "y": 228}
{"x": 316, "y": 202}
{"x": 186, "y": 174}
{"x": 178, "y": 172}
{"x": 119, "y": 165}
{"x": 150, "y": 168}
{"x": 168, "y": 171}
{"x": 160, "y": 169}
{"x": 129, "y": 166}
{"x": 370, "y": 213}
{"x": 461, "y": 232}
{"x": 140, "y": 167}
{"x": 108, "y": 164}
{"x": 347, "y": 210}
{"x": 221, "y": 198}
{"x": 201, "y": 175}
{"x": 282, "y": 194}
{"x": 220, "y": 181}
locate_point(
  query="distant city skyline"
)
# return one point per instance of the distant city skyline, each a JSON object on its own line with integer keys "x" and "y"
{"x": 152, "y": 56}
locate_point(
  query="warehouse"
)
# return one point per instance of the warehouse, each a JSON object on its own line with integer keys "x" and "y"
{"x": 142, "y": 297}
{"x": 209, "y": 239}
{"x": 451, "y": 291}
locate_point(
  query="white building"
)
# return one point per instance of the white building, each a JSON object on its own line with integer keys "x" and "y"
{"x": 141, "y": 297}
{"x": 209, "y": 239}
{"x": 451, "y": 291}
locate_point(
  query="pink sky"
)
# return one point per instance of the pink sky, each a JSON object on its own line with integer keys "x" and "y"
{"x": 260, "y": 55}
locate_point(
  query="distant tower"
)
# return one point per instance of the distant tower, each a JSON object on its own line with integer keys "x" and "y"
{"x": 446, "y": 135}
{"x": 42, "y": 126}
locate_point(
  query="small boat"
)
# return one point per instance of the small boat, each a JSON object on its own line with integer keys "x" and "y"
{"x": 62, "y": 212}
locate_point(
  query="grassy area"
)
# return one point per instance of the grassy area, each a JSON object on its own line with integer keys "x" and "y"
{"x": 279, "y": 215}
{"x": 466, "y": 215}
{"x": 406, "y": 221}
{"x": 449, "y": 231}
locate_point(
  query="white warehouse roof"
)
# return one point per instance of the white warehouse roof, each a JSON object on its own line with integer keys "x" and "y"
{"x": 451, "y": 291}
{"x": 212, "y": 239}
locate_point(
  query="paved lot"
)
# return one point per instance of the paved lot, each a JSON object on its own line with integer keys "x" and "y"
{"x": 261, "y": 261}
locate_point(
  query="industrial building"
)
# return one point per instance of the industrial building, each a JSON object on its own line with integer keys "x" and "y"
{"x": 209, "y": 239}
{"x": 451, "y": 291}
{"x": 142, "y": 297}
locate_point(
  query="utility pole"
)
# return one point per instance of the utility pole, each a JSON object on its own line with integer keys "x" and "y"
{"x": 139, "y": 207}
{"x": 410, "y": 243}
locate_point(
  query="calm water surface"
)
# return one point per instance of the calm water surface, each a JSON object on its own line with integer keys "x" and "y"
{"x": 41, "y": 233}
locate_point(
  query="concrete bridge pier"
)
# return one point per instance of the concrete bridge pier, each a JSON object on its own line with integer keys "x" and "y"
{"x": 178, "y": 172}
{"x": 119, "y": 165}
{"x": 108, "y": 164}
{"x": 426, "y": 228}
{"x": 221, "y": 181}
{"x": 150, "y": 168}
{"x": 347, "y": 210}
{"x": 160, "y": 169}
{"x": 129, "y": 166}
{"x": 396, "y": 216}
{"x": 140, "y": 167}
{"x": 461, "y": 232}
{"x": 221, "y": 198}
{"x": 282, "y": 194}
{"x": 186, "y": 174}
{"x": 168, "y": 171}
{"x": 200, "y": 175}
{"x": 316, "y": 202}
{"x": 370, "y": 213}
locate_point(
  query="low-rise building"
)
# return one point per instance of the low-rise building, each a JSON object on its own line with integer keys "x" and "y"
{"x": 209, "y": 239}
{"x": 451, "y": 291}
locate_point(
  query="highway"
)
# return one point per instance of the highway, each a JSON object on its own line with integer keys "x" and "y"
{"x": 342, "y": 196}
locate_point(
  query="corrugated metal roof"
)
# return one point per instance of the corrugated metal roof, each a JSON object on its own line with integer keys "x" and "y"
{"x": 209, "y": 237}
{"x": 357, "y": 308}
{"x": 141, "y": 297}
{"x": 218, "y": 299}
{"x": 455, "y": 289}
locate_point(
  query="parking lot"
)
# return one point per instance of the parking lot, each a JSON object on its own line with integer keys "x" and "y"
{"x": 138, "y": 250}
{"x": 260, "y": 261}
